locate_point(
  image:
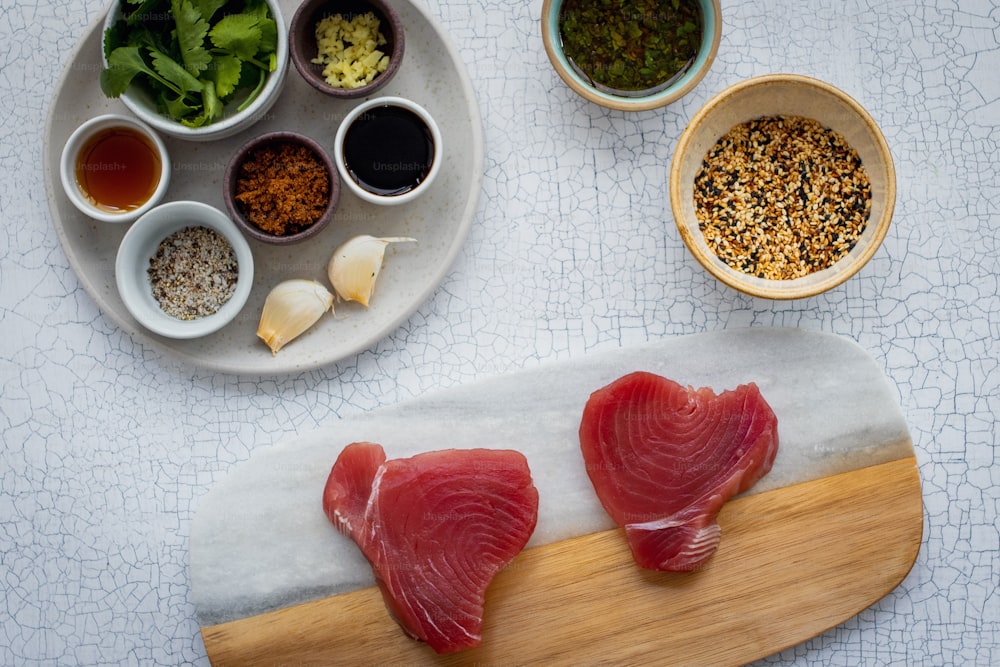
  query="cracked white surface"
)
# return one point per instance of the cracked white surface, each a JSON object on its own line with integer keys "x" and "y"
{"x": 107, "y": 446}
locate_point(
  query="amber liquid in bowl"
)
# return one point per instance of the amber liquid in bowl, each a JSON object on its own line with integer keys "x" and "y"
{"x": 118, "y": 170}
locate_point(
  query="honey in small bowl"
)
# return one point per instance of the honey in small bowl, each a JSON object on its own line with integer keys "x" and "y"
{"x": 118, "y": 169}
{"x": 114, "y": 168}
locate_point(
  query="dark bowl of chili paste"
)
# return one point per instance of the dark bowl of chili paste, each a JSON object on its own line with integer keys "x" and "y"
{"x": 281, "y": 188}
{"x": 632, "y": 55}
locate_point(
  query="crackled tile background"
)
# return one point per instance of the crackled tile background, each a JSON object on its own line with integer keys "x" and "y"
{"x": 107, "y": 445}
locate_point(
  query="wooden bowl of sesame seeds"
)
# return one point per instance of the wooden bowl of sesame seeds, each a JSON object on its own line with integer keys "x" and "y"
{"x": 782, "y": 186}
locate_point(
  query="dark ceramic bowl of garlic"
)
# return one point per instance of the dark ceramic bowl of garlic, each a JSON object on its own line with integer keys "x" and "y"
{"x": 281, "y": 188}
{"x": 347, "y": 49}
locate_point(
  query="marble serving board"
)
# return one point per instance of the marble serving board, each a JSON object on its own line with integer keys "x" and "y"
{"x": 273, "y": 581}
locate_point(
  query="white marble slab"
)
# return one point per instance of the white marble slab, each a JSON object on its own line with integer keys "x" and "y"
{"x": 260, "y": 539}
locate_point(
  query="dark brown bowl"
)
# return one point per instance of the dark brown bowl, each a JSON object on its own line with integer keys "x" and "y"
{"x": 303, "y": 48}
{"x": 236, "y": 209}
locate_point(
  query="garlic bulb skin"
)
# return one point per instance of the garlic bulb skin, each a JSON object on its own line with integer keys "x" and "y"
{"x": 290, "y": 308}
{"x": 355, "y": 266}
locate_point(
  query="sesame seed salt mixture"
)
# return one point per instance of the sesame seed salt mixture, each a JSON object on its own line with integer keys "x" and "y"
{"x": 193, "y": 273}
{"x": 780, "y": 197}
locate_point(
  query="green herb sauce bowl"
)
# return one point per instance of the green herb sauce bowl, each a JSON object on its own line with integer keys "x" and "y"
{"x": 643, "y": 100}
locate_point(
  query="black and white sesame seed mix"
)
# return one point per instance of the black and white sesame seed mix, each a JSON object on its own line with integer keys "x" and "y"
{"x": 193, "y": 273}
{"x": 781, "y": 197}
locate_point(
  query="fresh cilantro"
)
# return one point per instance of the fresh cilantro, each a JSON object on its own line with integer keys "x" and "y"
{"x": 193, "y": 56}
{"x": 178, "y": 108}
{"x": 237, "y": 34}
{"x": 168, "y": 68}
{"x": 256, "y": 91}
{"x": 268, "y": 38}
{"x": 124, "y": 64}
{"x": 191, "y": 32}
{"x": 207, "y": 8}
{"x": 213, "y": 108}
{"x": 142, "y": 12}
{"x": 225, "y": 73}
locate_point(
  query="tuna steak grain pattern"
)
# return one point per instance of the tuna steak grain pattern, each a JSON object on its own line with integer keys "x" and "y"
{"x": 436, "y": 528}
{"x": 663, "y": 460}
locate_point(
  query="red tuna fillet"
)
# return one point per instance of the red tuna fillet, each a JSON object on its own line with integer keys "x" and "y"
{"x": 664, "y": 459}
{"x": 436, "y": 528}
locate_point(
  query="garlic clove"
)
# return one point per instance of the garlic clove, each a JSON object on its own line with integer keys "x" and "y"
{"x": 355, "y": 266}
{"x": 290, "y": 308}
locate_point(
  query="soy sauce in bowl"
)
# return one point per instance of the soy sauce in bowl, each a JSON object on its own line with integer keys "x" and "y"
{"x": 388, "y": 150}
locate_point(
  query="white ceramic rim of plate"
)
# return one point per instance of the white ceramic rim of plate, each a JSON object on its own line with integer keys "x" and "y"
{"x": 140, "y": 244}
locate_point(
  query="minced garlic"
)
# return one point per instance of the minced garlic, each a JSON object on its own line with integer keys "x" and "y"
{"x": 350, "y": 50}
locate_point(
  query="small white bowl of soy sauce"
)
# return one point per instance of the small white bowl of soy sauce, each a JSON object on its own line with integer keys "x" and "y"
{"x": 388, "y": 150}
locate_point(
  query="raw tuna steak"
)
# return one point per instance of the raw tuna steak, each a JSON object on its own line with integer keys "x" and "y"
{"x": 664, "y": 459}
{"x": 436, "y": 528}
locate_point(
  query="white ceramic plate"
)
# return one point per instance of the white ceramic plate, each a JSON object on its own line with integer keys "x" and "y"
{"x": 432, "y": 75}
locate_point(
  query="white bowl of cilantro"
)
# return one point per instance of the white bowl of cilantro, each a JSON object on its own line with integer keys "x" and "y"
{"x": 207, "y": 71}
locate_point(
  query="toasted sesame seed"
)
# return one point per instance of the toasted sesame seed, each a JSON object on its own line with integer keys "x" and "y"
{"x": 781, "y": 197}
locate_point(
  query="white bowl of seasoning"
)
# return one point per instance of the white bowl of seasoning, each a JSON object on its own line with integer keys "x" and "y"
{"x": 782, "y": 186}
{"x": 114, "y": 168}
{"x": 388, "y": 150}
{"x": 184, "y": 270}
{"x": 669, "y": 50}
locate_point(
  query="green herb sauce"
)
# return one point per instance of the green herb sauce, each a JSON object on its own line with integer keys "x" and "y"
{"x": 631, "y": 46}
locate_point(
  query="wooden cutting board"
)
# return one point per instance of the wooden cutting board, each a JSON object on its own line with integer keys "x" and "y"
{"x": 836, "y": 525}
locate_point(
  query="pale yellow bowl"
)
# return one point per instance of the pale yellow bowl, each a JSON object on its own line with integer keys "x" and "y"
{"x": 790, "y": 95}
